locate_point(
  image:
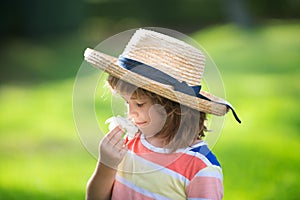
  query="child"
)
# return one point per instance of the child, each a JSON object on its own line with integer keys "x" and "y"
{"x": 159, "y": 77}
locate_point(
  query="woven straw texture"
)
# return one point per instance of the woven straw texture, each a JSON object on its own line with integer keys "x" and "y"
{"x": 172, "y": 56}
{"x": 169, "y": 55}
{"x": 110, "y": 65}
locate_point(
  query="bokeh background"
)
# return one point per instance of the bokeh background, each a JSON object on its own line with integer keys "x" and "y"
{"x": 255, "y": 44}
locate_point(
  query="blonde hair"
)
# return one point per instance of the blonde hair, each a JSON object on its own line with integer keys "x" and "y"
{"x": 183, "y": 124}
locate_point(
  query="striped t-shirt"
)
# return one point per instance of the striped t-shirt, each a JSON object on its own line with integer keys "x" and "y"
{"x": 148, "y": 172}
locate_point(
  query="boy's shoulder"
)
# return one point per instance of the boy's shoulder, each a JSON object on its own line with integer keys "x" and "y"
{"x": 201, "y": 149}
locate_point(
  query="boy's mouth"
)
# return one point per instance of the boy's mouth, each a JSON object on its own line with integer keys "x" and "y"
{"x": 140, "y": 123}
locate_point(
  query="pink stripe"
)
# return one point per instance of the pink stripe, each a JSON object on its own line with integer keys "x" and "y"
{"x": 205, "y": 187}
{"x": 183, "y": 161}
{"x": 121, "y": 192}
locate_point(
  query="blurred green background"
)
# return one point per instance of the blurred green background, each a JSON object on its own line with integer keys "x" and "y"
{"x": 255, "y": 44}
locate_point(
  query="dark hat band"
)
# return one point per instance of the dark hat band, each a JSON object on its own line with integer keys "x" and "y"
{"x": 161, "y": 77}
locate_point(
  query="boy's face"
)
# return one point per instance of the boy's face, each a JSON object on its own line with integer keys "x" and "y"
{"x": 148, "y": 117}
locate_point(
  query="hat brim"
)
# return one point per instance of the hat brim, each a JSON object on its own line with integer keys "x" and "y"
{"x": 109, "y": 64}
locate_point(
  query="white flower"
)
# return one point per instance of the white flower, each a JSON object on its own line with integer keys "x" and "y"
{"x": 126, "y": 124}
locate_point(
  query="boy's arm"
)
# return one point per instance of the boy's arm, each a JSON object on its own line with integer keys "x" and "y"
{"x": 101, "y": 183}
{"x": 112, "y": 151}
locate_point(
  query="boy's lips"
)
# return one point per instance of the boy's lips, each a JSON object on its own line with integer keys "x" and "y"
{"x": 140, "y": 123}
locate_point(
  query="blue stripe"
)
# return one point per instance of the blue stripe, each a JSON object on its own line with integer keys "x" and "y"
{"x": 204, "y": 150}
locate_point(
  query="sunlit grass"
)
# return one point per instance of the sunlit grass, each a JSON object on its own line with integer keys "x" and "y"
{"x": 260, "y": 70}
{"x": 260, "y": 157}
{"x": 273, "y": 48}
{"x": 42, "y": 156}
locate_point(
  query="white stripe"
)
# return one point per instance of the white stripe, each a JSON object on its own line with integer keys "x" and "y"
{"x": 140, "y": 190}
{"x": 153, "y": 148}
{"x": 200, "y": 156}
{"x": 183, "y": 150}
{"x": 211, "y": 171}
{"x": 165, "y": 150}
{"x": 157, "y": 167}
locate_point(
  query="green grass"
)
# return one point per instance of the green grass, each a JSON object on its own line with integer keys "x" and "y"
{"x": 42, "y": 156}
{"x": 260, "y": 70}
{"x": 260, "y": 157}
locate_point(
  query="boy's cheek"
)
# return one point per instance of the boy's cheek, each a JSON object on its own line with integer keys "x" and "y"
{"x": 158, "y": 115}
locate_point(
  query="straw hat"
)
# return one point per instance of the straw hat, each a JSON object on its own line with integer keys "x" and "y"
{"x": 163, "y": 65}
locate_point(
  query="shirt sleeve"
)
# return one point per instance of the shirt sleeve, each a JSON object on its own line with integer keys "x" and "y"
{"x": 207, "y": 184}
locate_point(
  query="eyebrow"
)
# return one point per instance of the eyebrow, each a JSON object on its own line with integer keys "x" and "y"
{"x": 131, "y": 98}
{"x": 134, "y": 97}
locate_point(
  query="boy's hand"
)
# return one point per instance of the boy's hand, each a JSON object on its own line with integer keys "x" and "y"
{"x": 113, "y": 148}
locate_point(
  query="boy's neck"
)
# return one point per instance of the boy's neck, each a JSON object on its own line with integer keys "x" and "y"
{"x": 156, "y": 141}
{"x": 161, "y": 142}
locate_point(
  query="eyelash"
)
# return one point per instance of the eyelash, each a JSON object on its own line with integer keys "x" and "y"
{"x": 140, "y": 104}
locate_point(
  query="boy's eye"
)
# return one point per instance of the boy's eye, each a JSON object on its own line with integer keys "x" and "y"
{"x": 140, "y": 104}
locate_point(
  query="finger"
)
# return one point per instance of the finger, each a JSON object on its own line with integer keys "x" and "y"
{"x": 123, "y": 152}
{"x": 120, "y": 144}
{"x": 117, "y": 137}
{"x": 108, "y": 138}
{"x": 113, "y": 132}
{"x": 123, "y": 148}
